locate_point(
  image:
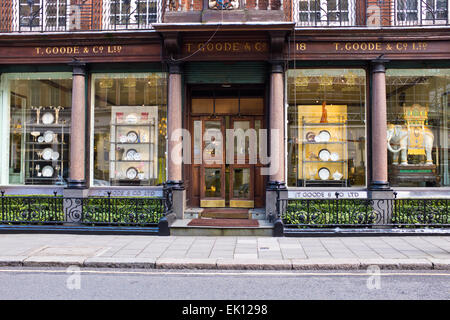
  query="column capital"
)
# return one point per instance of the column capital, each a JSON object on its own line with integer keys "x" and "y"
{"x": 277, "y": 66}
{"x": 175, "y": 67}
{"x": 378, "y": 65}
{"x": 79, "y": 68}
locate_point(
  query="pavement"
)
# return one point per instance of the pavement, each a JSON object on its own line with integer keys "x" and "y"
{"x": 225, "y": 253}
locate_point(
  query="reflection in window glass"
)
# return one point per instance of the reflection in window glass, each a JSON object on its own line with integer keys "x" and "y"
{"x": 39, "y": 122}
{"x": 326, "y": 127}
{"x": 130, "y": 128}
{"x": 418, "y": 122}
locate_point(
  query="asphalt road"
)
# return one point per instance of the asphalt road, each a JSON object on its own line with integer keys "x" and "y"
{"x": 42, "y": 283}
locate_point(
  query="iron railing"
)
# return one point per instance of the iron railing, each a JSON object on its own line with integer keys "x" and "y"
{"x": 370, "y": 13}
{"x": 112, "y": 211}
{"x": 79, "y": 15}
{"x": 364, "y": 213}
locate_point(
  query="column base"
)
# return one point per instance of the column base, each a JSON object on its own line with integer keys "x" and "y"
{"x": 275, "y": 185}
{"x": 380, "y": 186}
{"x": 76, "y": 184}
{"x": 175, "y": 184}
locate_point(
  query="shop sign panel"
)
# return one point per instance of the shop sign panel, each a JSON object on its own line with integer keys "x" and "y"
{"x": 328, "y": 194}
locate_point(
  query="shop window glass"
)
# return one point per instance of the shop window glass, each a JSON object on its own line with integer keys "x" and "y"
{"x": 418, "y": 121}
{"x": 130, "y": 128}
{"x": 326, "y": 127}
{"x": 37, "y": 112}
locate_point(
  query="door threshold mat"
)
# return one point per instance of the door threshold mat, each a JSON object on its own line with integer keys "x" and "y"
{"x": 224, "y": 223}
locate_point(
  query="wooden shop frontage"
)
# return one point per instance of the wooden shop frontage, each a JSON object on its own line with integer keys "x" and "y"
{"x": 361, "y": 114}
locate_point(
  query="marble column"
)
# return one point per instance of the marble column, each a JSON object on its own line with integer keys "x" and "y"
{"x": 77, "y": 165}
{"x": 174, "y": 122}
{"x": 276, "y": 184}
{"x": 379, "y": 179}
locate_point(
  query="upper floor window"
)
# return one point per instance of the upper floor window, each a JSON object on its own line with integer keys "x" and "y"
{"x": 130, "y": 13}
{"x": 421, "y": 11}
{"x": 42, "y": 14}
{"x": 325, "y": 12}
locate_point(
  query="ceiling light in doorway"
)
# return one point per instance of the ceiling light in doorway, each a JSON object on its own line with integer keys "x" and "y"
{"x": 226, "y": 85}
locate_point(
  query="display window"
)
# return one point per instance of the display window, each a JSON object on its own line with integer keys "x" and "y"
{"x": 35, "y": 122}
{"x": 129, "y": 129}
{"x": 417, "y": 127}
{"x": 326, "y": 127}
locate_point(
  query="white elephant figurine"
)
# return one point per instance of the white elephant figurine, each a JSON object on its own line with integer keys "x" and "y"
{"x": 398, "y": 135}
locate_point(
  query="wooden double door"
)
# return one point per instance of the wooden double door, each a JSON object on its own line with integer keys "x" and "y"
{"x": 225, "y": 168}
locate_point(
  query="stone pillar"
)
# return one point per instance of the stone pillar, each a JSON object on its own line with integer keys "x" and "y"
{"x": 379, "y": 179}
{"x": 276, "y": 123}
{"x": 77, "y": 165}
{"x": 76, "y": 186}
{"x": 174, "y": 122}
{"x": 379, "y": 189}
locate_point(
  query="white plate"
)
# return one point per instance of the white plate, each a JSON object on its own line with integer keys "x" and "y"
{"x": 48, "y": 118}
{"x": 47, "y": 154}
{"x": 123, "y": 139}
{"x": 324, "y": 136}
{"x": 324, "y": 174}
{"x": 132, "y": 137}
{"x": 47, "y": 171}
{"x": 334, "y": 156}
{"x": 41, "y": 139}
{"x": 324, "y": 155}
{"x": 137, "y": 156}
{"x": 132, "y": 118}
{"x": 55, "y": 155}
{"x": 130, "y": 154}
{"x": 48, "y": 136}
{"x": 337, "y": 175}
{"x": 317, "y": 139}
{"x": 141, "y": 176}
{"x": 132, "y": 173}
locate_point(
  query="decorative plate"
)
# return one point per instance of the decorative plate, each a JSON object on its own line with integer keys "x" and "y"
{"x": 324, "y": 173}
{"x": 137, "y": 156}
{"x": 324, "y": 155}
{"x": 47, "y": 171}
{"x": 48, "y": 118}
{"x": 48, "y": 136}
{"x": 334, "y": 156}
{"x": 130, "y": 154}
{"x": 55, "y": 155}
{"x": 123, "y": 139}
{"x": 41, "y": 139}
{"x": 317, "y": 139}
{"x": 324, "y": 136}
{"x": 337, "y": 175}
{"x": 132, "y": 136}
{"x": 132, "y": 173}
{"x": 141, "y": 176}
{"x": 47, "y": 153}
{"x": 310, "y": 136}
{"x": 132, "y": 118}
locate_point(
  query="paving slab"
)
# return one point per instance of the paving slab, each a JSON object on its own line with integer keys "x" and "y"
{"x": 53, "y": 261}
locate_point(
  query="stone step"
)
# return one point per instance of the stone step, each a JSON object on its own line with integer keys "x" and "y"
{"x": 181, "y": 228}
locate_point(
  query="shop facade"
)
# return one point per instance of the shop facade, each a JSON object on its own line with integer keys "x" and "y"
{"x": 361, "y": 114}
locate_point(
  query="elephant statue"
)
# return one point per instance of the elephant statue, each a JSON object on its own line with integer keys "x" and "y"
{"x": 399, "y": 135}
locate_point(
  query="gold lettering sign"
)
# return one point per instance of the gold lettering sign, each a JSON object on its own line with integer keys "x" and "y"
{"x": 77, "y": 50}
{"x": 363, "y": 47}
{"x": 226, "y": 47}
